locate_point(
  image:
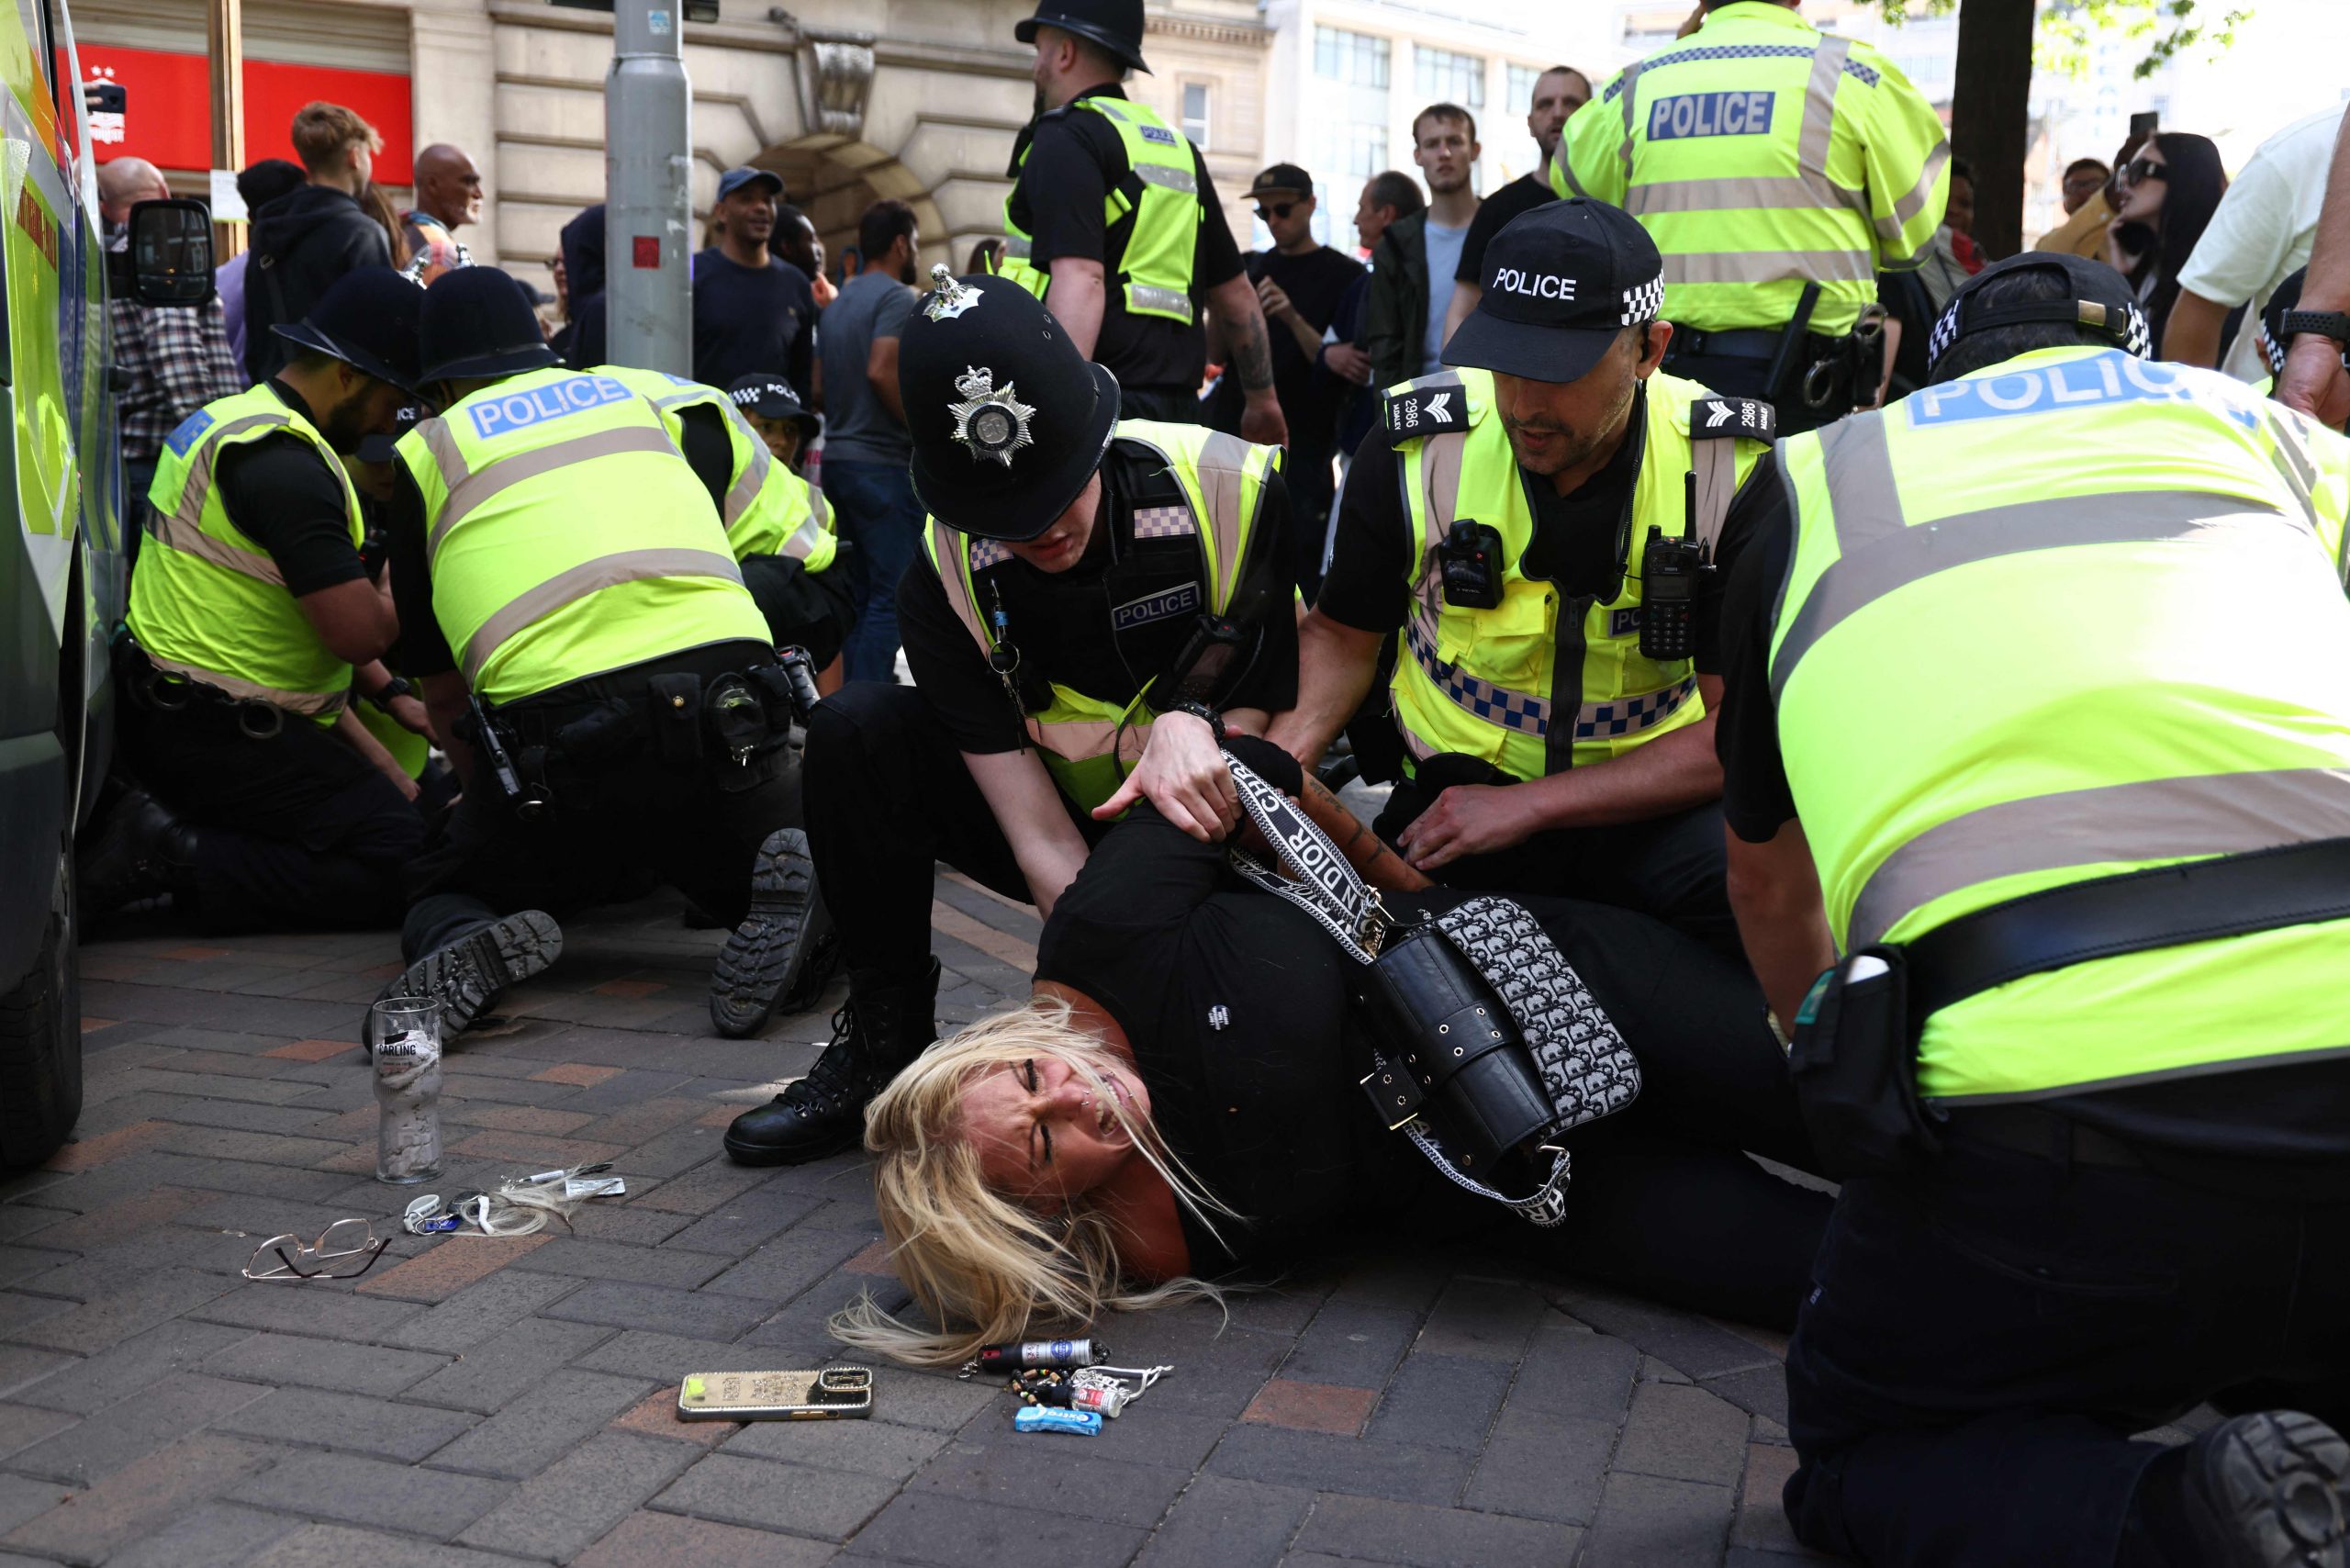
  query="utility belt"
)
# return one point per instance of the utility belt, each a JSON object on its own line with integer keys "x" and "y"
{"x": 160, "y": 691}
{"x": 1803, "y": 368}
{"x": 1486, "y": 1045}
{"x": 725, "y": 710}
{"x": 1855, "y": 1051}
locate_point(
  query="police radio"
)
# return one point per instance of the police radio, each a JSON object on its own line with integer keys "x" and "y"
{"x": 1472, "y": 559}
{"x": 1670, "y": 571}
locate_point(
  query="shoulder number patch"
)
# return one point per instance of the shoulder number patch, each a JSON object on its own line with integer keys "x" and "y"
{"x": 1427, "y": 411}
{"x": 1713, "y": 418}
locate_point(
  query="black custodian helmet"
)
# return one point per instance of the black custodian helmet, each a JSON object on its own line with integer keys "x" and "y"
{"x": 1116, "y": 25}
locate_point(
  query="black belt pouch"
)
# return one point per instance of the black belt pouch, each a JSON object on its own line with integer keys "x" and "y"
{"x": 1855, "y": 1065}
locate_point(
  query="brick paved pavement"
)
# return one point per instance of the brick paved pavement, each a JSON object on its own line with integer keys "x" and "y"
{"x": 476, "y": 1402}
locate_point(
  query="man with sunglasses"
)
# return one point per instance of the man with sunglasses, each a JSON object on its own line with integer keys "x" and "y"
{"x": 1300, "y": 282}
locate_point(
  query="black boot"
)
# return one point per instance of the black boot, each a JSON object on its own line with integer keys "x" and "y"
{"x": 145, "y": 851}
{"x": 2265, "y": 1491}
{"x": 466, "y": 974}
{"x": 881, "y": 1027}
{"x": 765, "y": 960}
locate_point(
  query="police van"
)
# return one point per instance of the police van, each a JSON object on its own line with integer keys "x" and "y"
{"x": 62, "y": 583}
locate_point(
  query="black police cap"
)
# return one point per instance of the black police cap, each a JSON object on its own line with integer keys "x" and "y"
{"x": 769, "y": 395}
{"x": 1562, "y": 282}
{"x": 1116, "y": 25}
{"x": 2098, "y": 300}
{"x": 477, "y": 322}
{"x": 368, "y": 320}
{"x": 1008, "y": 420}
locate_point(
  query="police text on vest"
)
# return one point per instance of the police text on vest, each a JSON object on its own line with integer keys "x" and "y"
{"x": 537, "y": 405}
{"x": 1710, "y": 113}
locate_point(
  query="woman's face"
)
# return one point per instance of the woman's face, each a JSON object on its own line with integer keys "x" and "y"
{"x": 2143, "y": 199}
{"x": 1044, "y": 1132}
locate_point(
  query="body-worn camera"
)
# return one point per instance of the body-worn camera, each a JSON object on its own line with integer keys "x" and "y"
{"x": 1472, "y": 559}
{"x": 1669, "y": 568}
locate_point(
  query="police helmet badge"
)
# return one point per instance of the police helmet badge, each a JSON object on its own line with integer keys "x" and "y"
{"x": 990, "y": 423}
{"x": 949, "y": 296}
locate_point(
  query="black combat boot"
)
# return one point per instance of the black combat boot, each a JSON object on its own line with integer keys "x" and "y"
{"x": 2265, "y": 1491}
{"x": 145, "y": 851}
{"x": 466, "y": 974}
{"x": 882, "y": 1026}
{"x": 766, "y": 961}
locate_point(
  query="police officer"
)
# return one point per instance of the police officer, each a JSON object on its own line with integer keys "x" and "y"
{"x": 1097, "y": 600}
{"x": 249, "y": 610}
{"x": 580, "y": 625}
{"x": 1780, "y": 169}
{"x": 1113, "y": 222}
{"x": 773, "y": 410}
{"x": 2039, "y": 707}
{"x": 1542, "y": 547}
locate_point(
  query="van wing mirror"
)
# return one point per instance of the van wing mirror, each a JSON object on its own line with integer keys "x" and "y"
{"x": 169, "y": 252}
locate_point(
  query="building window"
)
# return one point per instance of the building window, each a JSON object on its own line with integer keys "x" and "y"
{"x": 1521, "y": 87}
{"x": 1357, "y": 59}
{"x": 1195, "y": 113}
{"x": 1443, "y": 76}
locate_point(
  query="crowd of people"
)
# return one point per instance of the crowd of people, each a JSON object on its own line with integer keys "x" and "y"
{"x": 1846, "y": 701}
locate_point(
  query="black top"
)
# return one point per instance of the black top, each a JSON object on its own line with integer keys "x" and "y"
{"x": 422, "y": 650}
{"x": 1061, "y": 622}
{"x": 748, "y": 321}
{"x": 1075, "y": 158}
{"x": 2195, "y": 1128}
{"x": 302, "y": 245}
{"x": 1519, "y": 197}
{"x": 709, "y": 451}
{"x": 1578, "y": 542}
{"x": 1316, "y": 282}
{"x": 281, "y": 495}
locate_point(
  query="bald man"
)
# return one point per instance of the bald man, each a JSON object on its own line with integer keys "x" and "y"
{"x": 448, "y": 196}
{"x": 172, "y": 359}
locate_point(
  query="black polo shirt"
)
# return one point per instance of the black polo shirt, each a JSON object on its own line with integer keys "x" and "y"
{"x": 285, "y": 497}
{"x": 1073, "y": 159}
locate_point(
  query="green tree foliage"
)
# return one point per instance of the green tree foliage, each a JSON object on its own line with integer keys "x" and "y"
{"x": 2168, "y": 27}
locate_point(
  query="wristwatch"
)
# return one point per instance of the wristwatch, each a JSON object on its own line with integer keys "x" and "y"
{"x": 1199, "y": 710}
{"x": 397, "y": 687}
{"x": 2332, "y": 324}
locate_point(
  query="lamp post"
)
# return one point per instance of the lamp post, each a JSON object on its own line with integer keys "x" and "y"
{"x": 648, "y": 201}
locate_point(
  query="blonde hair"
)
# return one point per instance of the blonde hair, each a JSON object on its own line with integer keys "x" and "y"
{"x": 322, "y": 130}
{"x": 980, "y": 1265}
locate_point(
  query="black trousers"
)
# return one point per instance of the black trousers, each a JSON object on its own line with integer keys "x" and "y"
{"x": 1736, "y": 376}
{"x": 888, "y": 797}
{"x": 1978, "y": 1346}
{"x": 610, "y": 833}
{"x": 295, "y": 831}
{"x": 1674, "y": 867}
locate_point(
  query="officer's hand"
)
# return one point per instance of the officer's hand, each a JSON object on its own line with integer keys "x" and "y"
{"x": 2314, "y": 381}
{"x": 1261, "y": 420}
{"x": 1273, "y": 299}
{"x": 1183, "y": 772}
{"x": 1469, "y": 819}
{"x": 409, "y": 713}
{"x": 1347, "y": 363}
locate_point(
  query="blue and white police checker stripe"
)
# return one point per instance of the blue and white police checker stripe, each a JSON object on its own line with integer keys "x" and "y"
{"x": 1852, "y": 68}
{"x": 1531, "y": 715}
{"x": 1165, "y": 522}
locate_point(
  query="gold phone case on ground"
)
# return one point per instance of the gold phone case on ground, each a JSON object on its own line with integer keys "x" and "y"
{"x": 833, "y": 1394}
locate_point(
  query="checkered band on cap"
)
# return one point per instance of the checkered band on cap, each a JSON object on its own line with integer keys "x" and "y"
{"x": 1644, "y": 303}
{"x": 2138, "y": 336}
{"x": 1164, "y": 522}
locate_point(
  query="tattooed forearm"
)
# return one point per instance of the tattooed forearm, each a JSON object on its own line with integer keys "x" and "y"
{"x": 1252, "y": 349}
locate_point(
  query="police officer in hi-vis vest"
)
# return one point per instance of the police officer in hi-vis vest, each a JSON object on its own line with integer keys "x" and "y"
{"x": 253, "y": 624}
{"x": 1098, "y": 599}
{"x": 2038, "y": 713}
{"x": 1779, "y": 170}
{"x": 1114, "y": 223}
{"x": 1529, "y": 538}
{"x": 580, "y": 628}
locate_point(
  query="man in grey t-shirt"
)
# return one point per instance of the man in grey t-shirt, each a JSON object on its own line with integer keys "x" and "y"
{"x": 866, "y": 449}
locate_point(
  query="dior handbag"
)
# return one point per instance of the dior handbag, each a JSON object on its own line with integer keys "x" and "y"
{"x": 1486, "y": 1047}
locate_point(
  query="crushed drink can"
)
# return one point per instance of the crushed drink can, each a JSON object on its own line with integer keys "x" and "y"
{"x": 1104, "y": 1399}
{"x": 1038, "y": 1418}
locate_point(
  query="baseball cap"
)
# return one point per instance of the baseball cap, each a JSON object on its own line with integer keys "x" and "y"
{"x": 1281, "y": 179}
{"x": 735, "y": 179}
{"x": 1561, "y": 284}
{"x": 2096, "y": 299}
{"x": 769, "y": 395}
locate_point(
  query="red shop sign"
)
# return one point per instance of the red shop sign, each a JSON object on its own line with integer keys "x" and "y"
{"x": 167, "y": 118}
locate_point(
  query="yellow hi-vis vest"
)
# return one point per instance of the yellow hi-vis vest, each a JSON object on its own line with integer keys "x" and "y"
{"x": 1761, "y": 154}
{"x": 769, "y": 510}
{"x": 1089, "y": 745}
{"x": 566, "y": 536}
{"x": 1162, "y": 188}
{"x": 208, "y": 604}
{"x": 1494, "y": 684}
{"x": 2073, "y": 616}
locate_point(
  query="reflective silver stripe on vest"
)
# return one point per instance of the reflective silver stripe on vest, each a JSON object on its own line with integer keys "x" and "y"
{"x": 1733, "y": 196}
{"x": 304, "y": 702}
{"x": 1149, "y": 297}
{"x": 1171, "y": 179}
{"x": 820, "y": 510}
{"x": 182, "y": 530}
{"x": 1014, "y": 248}
{"x": 587, "y": 577}
{"x": 505, "y": 472}
{"x": 1631, "y": 122}
{"x": 2159, "y": 819}
{"x": 749, "y": 482}
{"x": 1819, "y": 105}
{"x": 1889, "y": 229}
{"x": 1878, "y": 554}
{"x": 1770, "y": 266}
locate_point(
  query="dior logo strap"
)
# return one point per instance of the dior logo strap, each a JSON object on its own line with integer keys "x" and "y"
{"x": 1309, "y": 872}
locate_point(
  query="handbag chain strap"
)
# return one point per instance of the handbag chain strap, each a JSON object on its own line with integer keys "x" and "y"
{"x": 1309, "y": 870}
